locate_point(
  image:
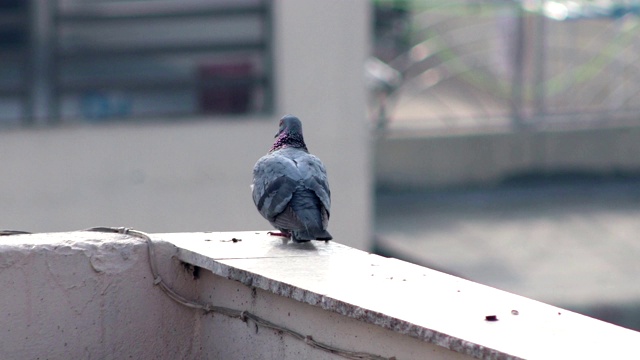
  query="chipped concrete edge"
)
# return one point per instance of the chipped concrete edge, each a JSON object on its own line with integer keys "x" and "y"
{"x": 385, "y": 321}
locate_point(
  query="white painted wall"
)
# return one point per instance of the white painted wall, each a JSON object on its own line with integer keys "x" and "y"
{"x": 194, "y": 175}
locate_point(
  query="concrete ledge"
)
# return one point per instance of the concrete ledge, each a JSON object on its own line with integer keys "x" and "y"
{"x": 91, "y": 295}
{"x": 407, "y": 299}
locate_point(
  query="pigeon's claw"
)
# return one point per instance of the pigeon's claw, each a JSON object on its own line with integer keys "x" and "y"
{"x": 280, "y": 234}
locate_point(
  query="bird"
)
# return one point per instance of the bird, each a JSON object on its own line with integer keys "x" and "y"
{"x": 290, "y": 186}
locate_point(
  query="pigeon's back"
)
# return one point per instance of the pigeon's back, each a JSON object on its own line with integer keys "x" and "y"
{"x": 291, "y": 190}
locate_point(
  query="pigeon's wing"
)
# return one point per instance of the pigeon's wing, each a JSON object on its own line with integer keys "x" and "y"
{"x": 274, "y": 180}
{"x": 288, "y": 219}
{"x": 314, "y": 177}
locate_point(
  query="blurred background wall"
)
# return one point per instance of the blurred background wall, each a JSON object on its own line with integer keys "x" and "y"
{"x": 491, "y": 90}
{"x": 152, "y": 114}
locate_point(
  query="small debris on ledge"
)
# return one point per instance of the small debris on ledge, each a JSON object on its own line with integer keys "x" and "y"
{"x": 491, "y": 318}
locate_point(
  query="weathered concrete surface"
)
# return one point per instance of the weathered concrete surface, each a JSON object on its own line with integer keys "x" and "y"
{"x": 86, "y": 295}
{"x": 407, "y": 299}
{"x": 223, "y": 337}
{"x": 91, "y": 295}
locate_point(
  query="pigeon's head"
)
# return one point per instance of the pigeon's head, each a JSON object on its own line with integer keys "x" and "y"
{"x": 289, "y": 124}
{"x": 289, "y": 134}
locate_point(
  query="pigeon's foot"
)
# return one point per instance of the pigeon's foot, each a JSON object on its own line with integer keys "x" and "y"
{"x": 280, "y": 234}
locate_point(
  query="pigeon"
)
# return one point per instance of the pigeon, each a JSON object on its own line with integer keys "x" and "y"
{"x": 290, "y": 187}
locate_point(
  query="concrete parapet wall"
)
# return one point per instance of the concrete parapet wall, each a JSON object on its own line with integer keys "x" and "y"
{"x": 249, "y": 295}
{"x": 417, "y": 161}
{"x": 223, "y": 337}
{"x": 87, "y": 296}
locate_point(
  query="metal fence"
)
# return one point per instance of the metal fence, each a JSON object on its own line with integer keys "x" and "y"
{"x": 503, "y": 63}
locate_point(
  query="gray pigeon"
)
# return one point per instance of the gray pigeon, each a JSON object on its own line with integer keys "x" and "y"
{"x": 290, "y": 187}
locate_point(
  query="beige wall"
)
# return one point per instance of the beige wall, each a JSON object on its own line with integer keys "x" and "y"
{"x": 194, "y": 175}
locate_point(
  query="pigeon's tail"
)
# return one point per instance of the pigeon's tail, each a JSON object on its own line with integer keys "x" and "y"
{"x": 304, "y": 236}
{"x": 311, "y": 228}
{"x": 308, "y": 210}
{"x": 324, "y": 236}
